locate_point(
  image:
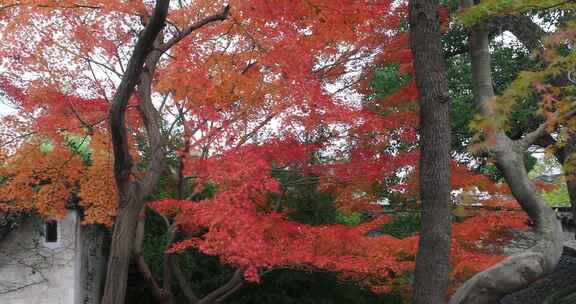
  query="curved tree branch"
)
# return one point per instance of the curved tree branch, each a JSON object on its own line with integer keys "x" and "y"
{"x": 152, "y": 122}
{"x": 518, "y": 270}
{"x": 194, "y": 26}
{"x": 160, "y": 295}
{"x": 182, "y": 281}
{"x": 130, "y": 199}
{"x": 542, "y": 130}
{"x": 231, "y": 285}
{"x": 143, "y": 47}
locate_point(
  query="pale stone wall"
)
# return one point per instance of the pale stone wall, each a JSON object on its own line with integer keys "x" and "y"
{"x": 92, "y": 264}
{"x": 35, "y": 272}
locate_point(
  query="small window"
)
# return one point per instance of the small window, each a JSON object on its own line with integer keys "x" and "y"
{"x": 51, "y": 232}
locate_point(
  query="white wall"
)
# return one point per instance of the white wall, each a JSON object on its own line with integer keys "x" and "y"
{"x": 35, "y": 272}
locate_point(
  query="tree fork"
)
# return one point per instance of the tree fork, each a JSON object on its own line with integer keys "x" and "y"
{"x": 519, "y": 270}
{"x": 129, "y": 194}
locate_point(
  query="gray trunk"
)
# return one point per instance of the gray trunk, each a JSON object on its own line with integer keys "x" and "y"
{"x": 434, "y": 246}
{"x": 519, "y": 270}
{"x": 567, "y": 161}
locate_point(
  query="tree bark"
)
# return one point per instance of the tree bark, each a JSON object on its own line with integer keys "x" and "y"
{"x": 433, "y": 259}
{"x": 130, "y": 194}
{"x": 530, "y": 35}
{"x": 132, "y": 191}
{"x": 161, "y": 295}
{"x": 519, "y": 270}
{"x": 570, "y": 171}
{"x": 120, "y": 253}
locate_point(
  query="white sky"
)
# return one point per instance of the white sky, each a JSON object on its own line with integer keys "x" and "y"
{"x": 4, "y": 109}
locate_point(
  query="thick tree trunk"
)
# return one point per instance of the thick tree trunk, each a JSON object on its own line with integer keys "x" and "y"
{"x": 121, "y": 251}
{"x": 570, "y": 172}
{"x": 519, "y": 270}
{"x": 433, "y": 260}
{"x": 131, "y": 193}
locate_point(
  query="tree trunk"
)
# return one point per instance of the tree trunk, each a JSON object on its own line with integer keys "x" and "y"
{"x": 570, "y": 172}
{"x": 131, "y": 193}
{"x": 120, "y": 254}
{"x": 433, "y": 259}
{"x": 530, "y": 34}
{"x": 519, "y": 270}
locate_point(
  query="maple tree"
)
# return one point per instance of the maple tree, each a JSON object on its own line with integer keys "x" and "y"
{"x": 510, "y": 274}
{"x": 218, "y": 112}
{"x": 237, "y": 95}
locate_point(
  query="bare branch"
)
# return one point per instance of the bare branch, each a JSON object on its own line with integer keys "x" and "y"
{"x": 530, "y": 138}
{"x": 224, "y": 289}
{"x": 117, "y": 55}
{"x": 251, "y": 134}
{"x": 245, "y": 69}
{"x": 163, "y": 104}
{"x": 89, "y": 126}
{"x": 69, "y": 6}
{"x": 181, "y": 279}
{"x": 23, "y": 286}
{"x": 157, "y": 292}
{"x": 229, "y": 293}
{"x": 97, "y": 82}
{"x": 16, "y": 138}
{"x": 194, "y": 26}
{"x": 88, "y": 59}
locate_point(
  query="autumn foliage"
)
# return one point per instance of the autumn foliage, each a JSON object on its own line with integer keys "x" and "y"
{"x": 241, "y": 100}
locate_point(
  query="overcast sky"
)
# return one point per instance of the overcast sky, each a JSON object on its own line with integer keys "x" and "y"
{"x": 4, "y": 109}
